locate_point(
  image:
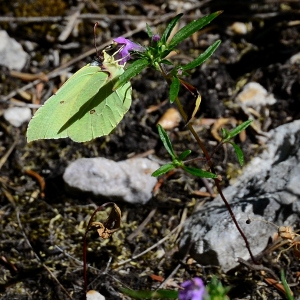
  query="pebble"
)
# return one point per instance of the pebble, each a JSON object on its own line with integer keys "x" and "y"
{"x": 170, "y": 119}
{"x": 295, "y": 59}
{"x": 16, "y": 116}
{"x": 255, "y": 95}
{"x": 94, "y": 295}
{"x": 12, "y": 54}
{"x": 239, "y": 28}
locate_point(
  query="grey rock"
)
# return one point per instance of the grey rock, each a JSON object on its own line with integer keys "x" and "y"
{"x": 12, "y": 54}
{"x": 129, "y": 180}
{"x": 16, "y": 116}
{"x": 268, "y": 190}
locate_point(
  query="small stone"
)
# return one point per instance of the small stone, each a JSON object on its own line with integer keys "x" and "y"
{"x": 295, "y": 58}
{"x": 254, "y": 95}
{"x": 12, "y": 54}
{"x": 170, "y": 119}
{"x": 16, "y": 116}
{"x": 94, "y": 295}
{"x": 129, "y": 180}
{"x": 239, "y": 28}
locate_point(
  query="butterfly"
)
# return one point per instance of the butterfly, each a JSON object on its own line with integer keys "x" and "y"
{"x": 86, "y": 106}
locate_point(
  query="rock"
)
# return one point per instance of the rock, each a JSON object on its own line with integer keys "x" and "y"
{"x": 254, "y": 100}
{"x": 239, "y": 28}
{"x": 94, "y": 295}
{"x": 12, "y": 54}
{"x": 170, "y": 119}
{"x": 268, "y": 190}
{"x": 16, "y": 116}
{"x": 295, "y": 59}
{"x": 254, "y": 95}
{"x": 129, "y": 180}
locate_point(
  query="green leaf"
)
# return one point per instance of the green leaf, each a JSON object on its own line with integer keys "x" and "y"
{"x": 163, "y": 169}
{"x": 199, "y": 173}
{"x": 166, "y": 141}
{"x": 165, "y": 294}
{"x": 135, "y": 68}
{"x": 169, "y": 29}
{"x": 225, "y": 133}
{"x": 237, "y": 130}
{"x": 174, "y": 89}
{"x": 239, "y": 153}
{"x": 216, "y": 291}
{"x": 191, "y": 28}
{"x": 149, "y": 31}
{"x": 184, "y": 154}
{"x": 85, "y": 107}
{"x": 202, "y": 57}
{"x": 286, "y": 286}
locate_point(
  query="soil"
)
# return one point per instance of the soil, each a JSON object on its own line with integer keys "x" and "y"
{"x": 42, "y": 228}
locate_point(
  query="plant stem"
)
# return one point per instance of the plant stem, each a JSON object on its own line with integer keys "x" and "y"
{"x": 88, "y": 228}
{"x": 217, "y": 181}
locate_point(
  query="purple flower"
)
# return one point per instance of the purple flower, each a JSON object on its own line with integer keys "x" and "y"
{"x": 155, "y": 38}
{"x": 193, "y": 290}
{"x": 126, "y": 46}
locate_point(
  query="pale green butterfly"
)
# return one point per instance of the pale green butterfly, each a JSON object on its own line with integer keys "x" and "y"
{"x": 85, "y": 107}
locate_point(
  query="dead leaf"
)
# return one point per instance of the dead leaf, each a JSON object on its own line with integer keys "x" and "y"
{"x": 111, "y": 225}
{"x": 192, "y": 110}
{"x": 276, "y": 284}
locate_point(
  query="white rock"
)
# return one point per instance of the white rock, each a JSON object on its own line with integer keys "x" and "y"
{"x": 16, "y": 116}
{"x": 238, "y": 28}
{"x": 12, "y": 54}
{"x": 254, "y": 95}
{"x": 94, "y": 295}
{"x": 295, "y": 58}
{"x": 129, "y": 180}
{"x": 268, "y": 190}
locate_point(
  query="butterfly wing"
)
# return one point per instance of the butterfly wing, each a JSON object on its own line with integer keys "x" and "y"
{"x": 85, "y": 107}
{"x": 51, "y": 120}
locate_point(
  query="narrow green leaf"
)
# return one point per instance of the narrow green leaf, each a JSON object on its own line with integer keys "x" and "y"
{"x": 174, "y": 89}
{"x": 239, "y": 153}
{"x": 166, "y": 141}
{"x": 199, "y": 173}
{"x": 184, "y": 154}
{"x": 202, "y": 57}
{"x": 135, "y": 68}
{"x": 191, "y": 28}
{"x": 149, "y": 31}
{"x": 169, "y": 29}
{"x": 163, "y": 169}
{"x": 238, "y": 129}
{"x": 286, "y": 286}
{"x": 164, "y": 294}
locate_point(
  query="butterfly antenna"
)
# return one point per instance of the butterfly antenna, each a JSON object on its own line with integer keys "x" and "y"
{"x": 95, "y": 27}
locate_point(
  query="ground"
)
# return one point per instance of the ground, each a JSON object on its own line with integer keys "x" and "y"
{"x": 38, "y": 224}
